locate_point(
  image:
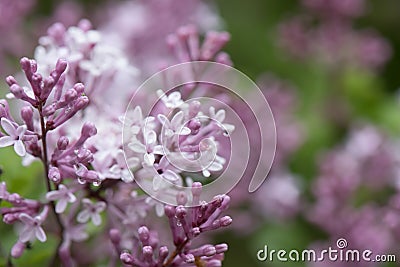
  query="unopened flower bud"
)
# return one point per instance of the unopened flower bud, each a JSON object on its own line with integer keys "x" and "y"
{"x": 62, "y": 143}
{"x": 18, "y": 249}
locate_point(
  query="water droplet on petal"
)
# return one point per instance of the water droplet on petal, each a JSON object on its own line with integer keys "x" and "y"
{"x": 68, "y": 110}
{"x": 81, "y": 180}
{"x": 97, "y": 183}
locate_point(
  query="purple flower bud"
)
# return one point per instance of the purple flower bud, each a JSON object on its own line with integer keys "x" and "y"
{"x": 91, "y": 177}
{"x": 223, "y": 58}
{"x": 79, "y": 88}
{"x": 181, "y": 198}
{"x": 25, "y": 64}
{"x": 49, "y": 110}
{"x": 88, "y": 130}
{"x": 225, "y": 221}
{"x": 36, "y": 81}
{"x": 169, "y": 211}
{"x": 54, "y": 175}
{"x": 115, "y": 236}
{"x": 18, "y": 249}
{"x": 10, "y": 218}
{"x": 81, "y": 103}
{"x": 61, "y": 66}
{"x": 163, "y": 254}
{"x": 209, "y": 251}
{"x": 195, "y": 231}
{"x": 180, "y": 212}
{"x": 188, "y": 258}
{"x": 48, "y": 85}
{"x": 196, "y": 189}
{"x": 70, "y": 95}
{"x": 84, "y": 155}
{"x": 85, "y": 25}
{"x": 27, "y": 116}
{"x": 10, "y": 80}
{"x": 221, "y": 248}
{"x": 148, "y": 253}
{"x": 144, "y": 235}
{"x": 14, "y": 198}
{"x": 62, "y": 143}
{"x": 127, "y": 258}
{"x": 214, "y": 41}
{"x": 57, "y": 32}
{"x": 17, "y": 91}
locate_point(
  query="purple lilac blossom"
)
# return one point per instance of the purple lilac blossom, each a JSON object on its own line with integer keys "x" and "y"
{"x": 84, "y": 162}
{"x": 333, "y": 39}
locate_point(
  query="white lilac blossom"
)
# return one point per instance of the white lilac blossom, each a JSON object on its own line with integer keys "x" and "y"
{"x": 91, "y": 61}
{"x": 91, "y": 211}
{"x": 33, "y": 226}
{"x": 188, "y": 132}
{"x": 63, "y": 195}
{"x": 14, "y": 138}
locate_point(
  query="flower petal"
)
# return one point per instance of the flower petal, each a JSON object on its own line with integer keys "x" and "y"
{"x": 149, "y": 159}
{"x": 127, "y": 177}
{"x": 8, "y": 127}
{"x": 53, "y": 195}
{"x": 96, "y": 219}
{"x": 40, "y": 234}
{"x": 215, "y": 166}
{"x": 19, "y": 148}
{"x": 177, "y": 120}
{"x": 137, "y": 147}
{"x": 150, "y": 137}
{"x": 71, "y": 197}
{"x": 157, "y": 181}
{"x": 27, "y": 234}
{"x": 170, "y": 176}
{"x": 21, "y": 130}
{"x": 100, "y": 206}
{"x": 26, "y": 219}
{"x": 61, "y": 205}
{"x": 83, "y": 216}
{"x": 184, "y": 131}
{"x": 6, "y": 141}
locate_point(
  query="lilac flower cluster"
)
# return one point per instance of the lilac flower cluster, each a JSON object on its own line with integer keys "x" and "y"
{"x": 325, "y": 32}
{"x": 185, "y": 224}
{"x": 89, "y": 178}
{"x": 350, "y": 179}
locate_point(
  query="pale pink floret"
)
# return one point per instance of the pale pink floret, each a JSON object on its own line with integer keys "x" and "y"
{"x": 14, "y": 137}
{"x": 91, "y": 211}
{"x": 33, "y": 226}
